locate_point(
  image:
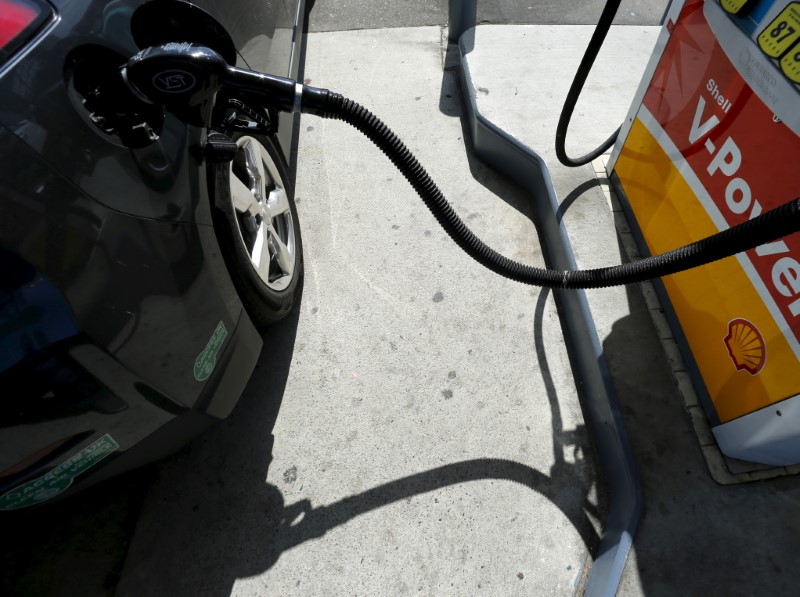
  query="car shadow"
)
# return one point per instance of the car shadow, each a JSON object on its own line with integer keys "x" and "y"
{"x": 76, "y": 546}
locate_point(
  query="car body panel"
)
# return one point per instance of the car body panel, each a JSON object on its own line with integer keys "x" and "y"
{"x": 123, "y": 320}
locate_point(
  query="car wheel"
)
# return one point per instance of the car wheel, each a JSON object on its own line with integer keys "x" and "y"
{"x": 257, "y": 228}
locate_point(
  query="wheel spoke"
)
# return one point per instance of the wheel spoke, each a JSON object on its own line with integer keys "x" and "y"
{"x": 272, "y": 171}
{"x": 280, "y": 252}
{"x": 277, "y": 203}
{"x": 255, "y": 169}
{"x": 260, "y": 255}
{"x": 243, "y": 199}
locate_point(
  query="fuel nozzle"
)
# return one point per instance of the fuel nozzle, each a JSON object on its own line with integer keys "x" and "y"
{"x": 186, "y": 78}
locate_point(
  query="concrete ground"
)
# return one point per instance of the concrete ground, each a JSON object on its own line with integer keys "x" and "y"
{"x": 344, "y": 15}
{"x": 415, "y": 428}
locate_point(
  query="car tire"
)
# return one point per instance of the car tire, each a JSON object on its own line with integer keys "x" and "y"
{"x": 255, "y": 219}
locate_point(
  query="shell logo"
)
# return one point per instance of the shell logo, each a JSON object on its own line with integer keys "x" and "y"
{"x": 746, "y": 346}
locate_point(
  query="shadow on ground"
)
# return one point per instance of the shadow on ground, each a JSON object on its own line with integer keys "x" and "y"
{"x": 73, "y": 547}
{"x": 696, "y": 536}
{"x": 239, "y": 525}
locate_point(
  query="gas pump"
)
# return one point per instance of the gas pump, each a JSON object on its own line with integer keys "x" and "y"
{"x": 712, "y": 140}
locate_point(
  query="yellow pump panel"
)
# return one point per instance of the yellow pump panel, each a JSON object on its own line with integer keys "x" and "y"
{"x": 713, "y": 141}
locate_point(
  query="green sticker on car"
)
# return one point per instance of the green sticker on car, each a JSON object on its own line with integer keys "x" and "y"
{"x": 60, "y": 478}
{"x": 207, "y": 360}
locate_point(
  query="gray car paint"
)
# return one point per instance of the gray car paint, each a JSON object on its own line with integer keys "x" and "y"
{"x": 125, "y": 234}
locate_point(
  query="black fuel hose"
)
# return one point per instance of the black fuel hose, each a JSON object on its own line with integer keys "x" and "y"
{"x": 767, "y": 227}
{"x": 595, "y": 43}
{"x": 186, "y": 78}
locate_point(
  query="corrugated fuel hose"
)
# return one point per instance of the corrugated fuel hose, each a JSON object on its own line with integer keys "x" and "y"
{"x": 208, "y": 73}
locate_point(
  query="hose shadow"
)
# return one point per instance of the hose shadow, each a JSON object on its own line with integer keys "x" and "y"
{"x": 294, "y": 524}
{"x": 240, "y": 526}
{"x": 577, "y": 439}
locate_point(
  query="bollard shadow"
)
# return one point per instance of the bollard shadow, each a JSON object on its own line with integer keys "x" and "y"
{"x": 450, "y": 105}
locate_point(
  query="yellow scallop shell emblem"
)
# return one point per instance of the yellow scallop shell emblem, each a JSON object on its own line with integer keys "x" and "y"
{"x": 746, "y": 346}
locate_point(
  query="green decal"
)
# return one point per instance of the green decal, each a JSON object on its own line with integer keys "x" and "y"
{"x": 207, "y": 359}
{"x": 60, "y": 478}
